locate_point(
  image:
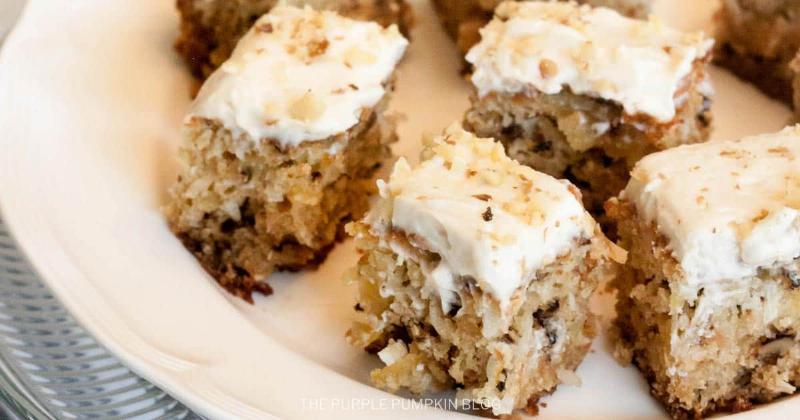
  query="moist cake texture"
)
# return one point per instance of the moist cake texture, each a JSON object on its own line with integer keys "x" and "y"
{"x": 584, "y": 93}
{"x": 210, "y": 29}
{"x": 758, "y": 40}
{"x": 709, "y": 301}
{"x": 281, "y": 145}
{"x": 475, "y": 274}
{"x": 464, "y": 18}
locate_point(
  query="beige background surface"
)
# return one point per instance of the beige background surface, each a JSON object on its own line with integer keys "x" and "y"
{"x": 9, "y": 10}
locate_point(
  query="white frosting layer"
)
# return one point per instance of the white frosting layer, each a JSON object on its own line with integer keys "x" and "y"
{"x": 301, "y": 75}
{"x": 487, "y": 216}
{"x": 727, "y": 208}
{"x": 547, "y": 46}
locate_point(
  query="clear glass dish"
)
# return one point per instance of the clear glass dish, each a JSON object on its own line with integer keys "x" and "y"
{"x": 51, "y": 368}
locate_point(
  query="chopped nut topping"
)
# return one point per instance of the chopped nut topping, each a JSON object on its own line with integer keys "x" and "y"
{"x": 487, "y": 215}
{"x": 761, "y": 215}
{"x": 515, "y": 207}
{"x": 356, "y": 56}
{"x": 307, "y": 108}
{"x": 734, "y": 154}
{"x": 548, "y": 68}
{"x": 483, "y": 197}
{"x": 317, "y": 47}
{"x": 492, "y": 178}
{"x": 265, "y": 28}
{"x": 527, "y": 46}
{"x": 782, "y": 151}
{"x": 502, "y": 239}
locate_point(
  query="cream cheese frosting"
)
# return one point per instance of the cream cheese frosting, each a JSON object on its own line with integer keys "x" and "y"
{"x": 301, "y": 75}
{"x": 484, "y": 214}
{"x": 728, "y": 208}
{"x": 549, "y": 46}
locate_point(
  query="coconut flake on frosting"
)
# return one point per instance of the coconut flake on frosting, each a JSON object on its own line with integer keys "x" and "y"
{"x": 301, "y": 75}
{"x": 548, "y": 46}
{"x": 484, "y": 214}
{"x": 727, "y": 208}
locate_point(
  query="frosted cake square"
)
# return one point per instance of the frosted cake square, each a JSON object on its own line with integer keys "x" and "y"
{"x": 463, "y": 18}
{"x": 584, "y": 93}
{"x": 476, "y": 274}
{"x": 757, "y": 41}
{"x": 281, "y": 145}
{"x": 709, "y": 303}
{"x": 210, "y": 29}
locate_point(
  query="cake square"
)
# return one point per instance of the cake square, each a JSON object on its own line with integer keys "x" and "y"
{"x": 476, "y": 273}
{"x": 709, "y": 301}
{"x": 583, "y": 93}
{"x": 281, "y": 145}
{"x": 464, "y": 18}
{"x": 210, "y": 29}
{"x": 757, "y": 41}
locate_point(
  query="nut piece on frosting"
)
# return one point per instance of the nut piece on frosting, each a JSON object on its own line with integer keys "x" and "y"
{"x": 476, "y": 274}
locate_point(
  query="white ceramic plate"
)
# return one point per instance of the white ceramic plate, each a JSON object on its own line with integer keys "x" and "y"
{"x": 91, "y": 100}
